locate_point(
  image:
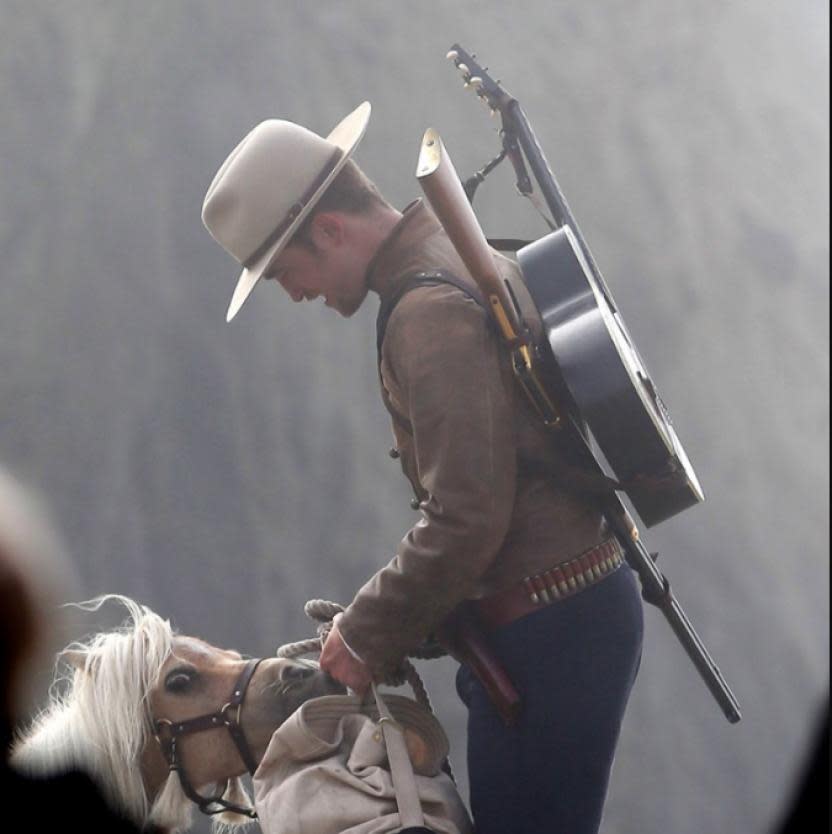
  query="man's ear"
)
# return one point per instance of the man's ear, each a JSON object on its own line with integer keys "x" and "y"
{"x": 327, "y": 229}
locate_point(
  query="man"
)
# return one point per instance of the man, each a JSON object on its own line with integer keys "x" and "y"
{"x": 499, "y": 524}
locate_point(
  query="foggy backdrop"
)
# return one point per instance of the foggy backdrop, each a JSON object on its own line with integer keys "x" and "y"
{"x": 224, "y": 474}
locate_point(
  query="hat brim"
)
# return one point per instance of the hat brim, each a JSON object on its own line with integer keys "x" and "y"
{"x": 345, "y": 136}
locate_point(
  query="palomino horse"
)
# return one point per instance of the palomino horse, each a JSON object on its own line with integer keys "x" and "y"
{"x": 162, "y": 720}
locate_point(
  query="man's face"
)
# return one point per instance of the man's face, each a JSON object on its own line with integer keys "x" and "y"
{"x": 328, "y": 268}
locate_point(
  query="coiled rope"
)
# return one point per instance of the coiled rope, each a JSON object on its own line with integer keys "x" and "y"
{"x": 323, "y": 612}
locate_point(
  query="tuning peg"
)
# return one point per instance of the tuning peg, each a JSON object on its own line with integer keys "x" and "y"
{"x": 452, "y": 55}
{"x": 463, "y": 69}
{"x": 475, "y": 82}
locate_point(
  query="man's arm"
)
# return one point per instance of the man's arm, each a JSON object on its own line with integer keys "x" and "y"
{"x": 444, "y": 361}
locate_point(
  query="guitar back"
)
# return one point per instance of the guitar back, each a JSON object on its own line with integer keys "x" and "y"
{"x": 606, "y": 379}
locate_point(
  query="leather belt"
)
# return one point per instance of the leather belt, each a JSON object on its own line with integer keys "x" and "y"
{"x": 558, "y": 582}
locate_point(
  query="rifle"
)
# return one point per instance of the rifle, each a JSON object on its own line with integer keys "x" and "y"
{"x": 552, "y": 375}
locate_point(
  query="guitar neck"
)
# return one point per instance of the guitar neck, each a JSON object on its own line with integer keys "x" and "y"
{"x": 515, "y": 120}
{"x": 516, "y": 126}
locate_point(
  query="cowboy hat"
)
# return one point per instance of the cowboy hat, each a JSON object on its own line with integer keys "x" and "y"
{"x": 268, "y": 185}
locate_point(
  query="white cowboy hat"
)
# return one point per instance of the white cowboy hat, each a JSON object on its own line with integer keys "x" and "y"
{"x": 268, "y": 185}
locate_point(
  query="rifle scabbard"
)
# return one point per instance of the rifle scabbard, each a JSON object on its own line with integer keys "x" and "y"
{"x": 465, "y": 639}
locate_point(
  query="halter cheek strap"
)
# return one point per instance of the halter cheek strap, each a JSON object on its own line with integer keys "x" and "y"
{"x": 168, "y": 732}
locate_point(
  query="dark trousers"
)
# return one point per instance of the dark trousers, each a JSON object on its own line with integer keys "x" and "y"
{"x": 574, "y": 663}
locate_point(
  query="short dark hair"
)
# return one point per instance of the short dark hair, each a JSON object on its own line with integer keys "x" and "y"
{"x": 351, "y": 192}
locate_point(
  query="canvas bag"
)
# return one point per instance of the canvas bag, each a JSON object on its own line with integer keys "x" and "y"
{"x": 327, "y": 770}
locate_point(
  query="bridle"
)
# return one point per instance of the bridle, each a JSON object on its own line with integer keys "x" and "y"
{"x": 168, "y": 732}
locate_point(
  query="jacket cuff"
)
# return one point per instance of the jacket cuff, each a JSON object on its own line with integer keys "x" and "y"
{"x": 347, "y": 646}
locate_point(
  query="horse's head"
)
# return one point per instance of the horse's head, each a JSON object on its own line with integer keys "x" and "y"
{"x": 129, "y": 691}
{"x": 213, "y": 713}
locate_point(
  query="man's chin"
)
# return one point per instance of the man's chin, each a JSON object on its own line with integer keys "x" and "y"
{"x": 344, "y": 309}
{"x": 347, "y": 304}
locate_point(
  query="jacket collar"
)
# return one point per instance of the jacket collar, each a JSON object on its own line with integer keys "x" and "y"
{"x": 417, "y": 224}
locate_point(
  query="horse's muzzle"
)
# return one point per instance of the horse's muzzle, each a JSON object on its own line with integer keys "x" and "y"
{"x": 302, "y": 681}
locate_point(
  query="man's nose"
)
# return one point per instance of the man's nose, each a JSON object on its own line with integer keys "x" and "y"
{"x": 293, "y": 292}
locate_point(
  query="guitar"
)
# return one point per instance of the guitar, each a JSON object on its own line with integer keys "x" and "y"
{"x": 596, "y": 361}
{"x": 584, "y": 367}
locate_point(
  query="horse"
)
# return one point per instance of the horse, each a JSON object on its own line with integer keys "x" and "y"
{"x": 163, "y": 721}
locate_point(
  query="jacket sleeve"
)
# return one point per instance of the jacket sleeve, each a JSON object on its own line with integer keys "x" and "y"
{"x": 443, "y": 361}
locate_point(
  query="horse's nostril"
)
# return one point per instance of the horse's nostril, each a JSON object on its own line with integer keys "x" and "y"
{"x": 292, "y": 674}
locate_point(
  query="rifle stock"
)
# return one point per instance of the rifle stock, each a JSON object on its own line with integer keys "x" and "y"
{"x": 442, "y": 187}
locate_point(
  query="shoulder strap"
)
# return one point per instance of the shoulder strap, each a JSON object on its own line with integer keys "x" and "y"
{"x": 409, "y": 282}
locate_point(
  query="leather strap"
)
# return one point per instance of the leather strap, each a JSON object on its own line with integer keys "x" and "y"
{"x": 235, "y": 728}
{"x": 558, "y": 582}
{"x": 420, "y": 278}
{"x": 224, "y": 718}
{"x": 168, "y": 732}
{"x": 410, "y": 281}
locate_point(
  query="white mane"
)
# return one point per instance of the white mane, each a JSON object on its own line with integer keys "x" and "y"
{"x": 99, "y": 721}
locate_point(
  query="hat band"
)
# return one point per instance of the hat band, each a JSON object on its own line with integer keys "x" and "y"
{"x": 294, "y": 211}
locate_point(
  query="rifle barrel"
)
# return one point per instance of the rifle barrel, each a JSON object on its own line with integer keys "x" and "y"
{"x": 657, "y": 591}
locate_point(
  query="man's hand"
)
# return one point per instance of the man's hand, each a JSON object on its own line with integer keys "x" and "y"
{"x": 342, "y": 664}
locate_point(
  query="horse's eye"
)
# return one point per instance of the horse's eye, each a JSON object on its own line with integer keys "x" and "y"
{"x": 179, "y": 680}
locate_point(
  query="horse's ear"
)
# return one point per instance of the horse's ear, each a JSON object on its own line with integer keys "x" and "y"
{"x": 74, "y": 657}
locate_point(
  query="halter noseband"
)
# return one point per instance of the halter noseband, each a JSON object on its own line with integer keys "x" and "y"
{"x": 167, "y": 732}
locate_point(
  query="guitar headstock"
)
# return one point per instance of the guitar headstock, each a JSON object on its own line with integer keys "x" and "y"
{"x": 476, "y": 78}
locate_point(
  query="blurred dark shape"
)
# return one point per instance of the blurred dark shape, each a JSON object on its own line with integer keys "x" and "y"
{"x": 33, "y": 575}
{"x": 810, "y": 806}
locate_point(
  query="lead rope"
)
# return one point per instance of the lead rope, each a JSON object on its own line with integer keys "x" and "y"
{"x": 323, "y": 612}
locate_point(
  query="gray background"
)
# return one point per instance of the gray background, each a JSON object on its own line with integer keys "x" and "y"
{"x": 226, "y": 474}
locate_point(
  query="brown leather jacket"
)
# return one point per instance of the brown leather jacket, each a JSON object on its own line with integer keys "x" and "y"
{"x": 486, "y": 520}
